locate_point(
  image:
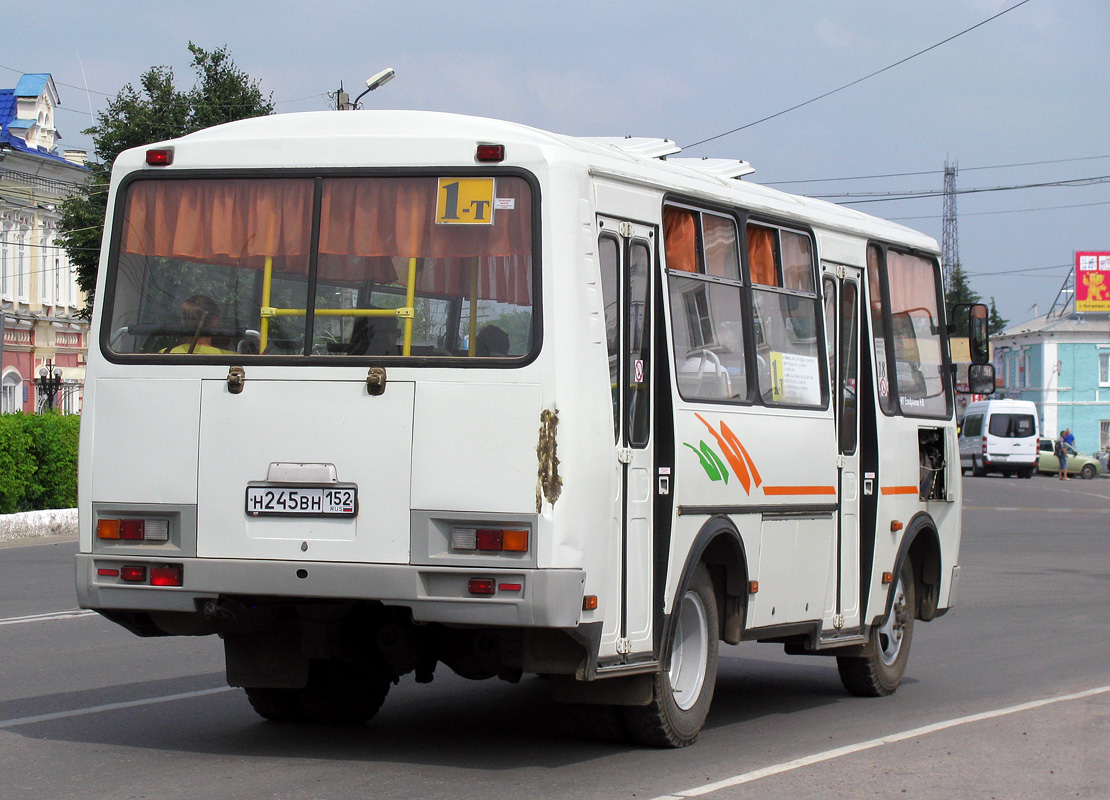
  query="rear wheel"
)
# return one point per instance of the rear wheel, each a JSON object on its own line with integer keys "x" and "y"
{"x": 1088, "y": 471}
{"x": 977, "y": 468}
{"x": 683, "y": 693}
{"x": 338, "y": 692}
{"x": 880, "y": 672}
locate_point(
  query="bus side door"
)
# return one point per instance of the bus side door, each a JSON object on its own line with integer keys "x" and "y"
{"x": 842, "y": 323}
{"x": 627, "y": 258}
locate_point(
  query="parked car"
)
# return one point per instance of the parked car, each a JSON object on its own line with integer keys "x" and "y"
{"x": 1078, "y": 464}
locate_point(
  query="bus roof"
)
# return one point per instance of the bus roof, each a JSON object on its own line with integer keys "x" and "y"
{"x": 328, "y": 139}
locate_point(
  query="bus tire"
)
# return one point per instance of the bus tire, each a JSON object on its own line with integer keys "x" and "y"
{"x": 276, "y": 705}
{"x": 342, "y": 693}
{"x": 879, "y": 673}
{"x": 683, "y": 694}
{"x": 337, "y": 693}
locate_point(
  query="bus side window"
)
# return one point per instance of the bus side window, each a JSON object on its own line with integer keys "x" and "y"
{"x": 787, "y": 313}
{"x": 610, "y": 293}
{"x": 707, "y": 330}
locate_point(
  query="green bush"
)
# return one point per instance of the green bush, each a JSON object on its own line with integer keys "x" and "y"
{"x": 38, "y": 462}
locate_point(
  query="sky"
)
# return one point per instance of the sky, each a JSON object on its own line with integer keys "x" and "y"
{"x": 1022, "y": 99}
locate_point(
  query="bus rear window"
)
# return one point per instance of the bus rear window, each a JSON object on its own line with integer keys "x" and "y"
{"x": 346, "y": 267}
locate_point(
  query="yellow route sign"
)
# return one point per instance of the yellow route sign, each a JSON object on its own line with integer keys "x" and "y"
{"x": 465, "y": 201}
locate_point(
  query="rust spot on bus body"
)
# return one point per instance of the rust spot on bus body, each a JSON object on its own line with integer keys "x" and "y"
{"x": 549, "y": 485}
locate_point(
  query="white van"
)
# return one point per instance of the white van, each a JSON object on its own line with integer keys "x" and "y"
{"x": 1000, "y": 436}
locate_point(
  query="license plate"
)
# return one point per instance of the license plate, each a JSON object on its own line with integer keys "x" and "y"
{"x": 302, "y": 501}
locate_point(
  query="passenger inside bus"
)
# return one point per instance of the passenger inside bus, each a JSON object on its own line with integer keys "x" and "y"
{"x": 201, "y": 316}
{"x": 491, "y": 341}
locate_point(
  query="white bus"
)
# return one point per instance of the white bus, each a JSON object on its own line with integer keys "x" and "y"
{"x": 378, "y": 390}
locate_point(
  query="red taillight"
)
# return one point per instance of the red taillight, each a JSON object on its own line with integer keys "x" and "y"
{"x": 490, "y": 539}
{"x": 509, "y": 587}
{"x": 133, "y": 574}
{"x": 168, "y": 575}
{"x": 490, "y": 152}
{"x": 481, "y": 586}
{"x": 107, "y": 572}
{"x": 160, "y": 158}
{"x": 133, "y": 529}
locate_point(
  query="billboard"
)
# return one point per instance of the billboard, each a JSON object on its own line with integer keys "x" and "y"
{"x": 1092, "y": 281}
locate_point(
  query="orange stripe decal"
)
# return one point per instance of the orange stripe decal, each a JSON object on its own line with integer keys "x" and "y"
{"x": 898, "y": 490}
{"x": 798, "y": 490}
{"x": 726, "y": 431}
{"x": 733, "y": 457}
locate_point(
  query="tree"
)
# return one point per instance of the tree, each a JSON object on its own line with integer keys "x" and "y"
{"x": 959, "y": 292}
{"x": 133, "y": 118}
{"x": 995, "y": 322}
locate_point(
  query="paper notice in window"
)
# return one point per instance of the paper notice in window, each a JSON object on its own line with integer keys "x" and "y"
{"x": 795, "y": 379}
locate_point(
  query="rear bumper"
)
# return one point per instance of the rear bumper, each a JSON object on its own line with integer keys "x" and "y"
{"x": 546, "y": 598}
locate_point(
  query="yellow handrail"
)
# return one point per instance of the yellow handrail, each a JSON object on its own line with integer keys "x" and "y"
{"x": 407, "y": 312}
{"x": 267, "y": 280}
{"x": 472, "y": 349}
{"x": 410, "y": 298}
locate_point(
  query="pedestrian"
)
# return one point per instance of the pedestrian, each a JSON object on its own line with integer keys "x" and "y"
{"x": 1061, "y": 453}
{"x": 1069, "y": 440}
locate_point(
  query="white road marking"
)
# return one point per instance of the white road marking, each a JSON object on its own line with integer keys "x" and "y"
{"x": 47, "y": 617}
{"x": 78, "y": 712}
{"x": 828, "y": 755}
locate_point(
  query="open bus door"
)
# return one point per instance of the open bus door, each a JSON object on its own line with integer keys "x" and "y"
{"x": 842, "y": 328}
{"x": 627, "y": 256}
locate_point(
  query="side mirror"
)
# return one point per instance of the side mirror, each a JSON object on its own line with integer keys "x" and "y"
{"x": 976, "y": 326}
{"x": 980, "y": 378}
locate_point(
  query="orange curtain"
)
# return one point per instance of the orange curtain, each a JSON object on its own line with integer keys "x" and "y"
{"x": 761, "y": 255}
{"x": 912, "y": 283}
{"x": 237, "y": 222}
{"x": 680, "y": 239}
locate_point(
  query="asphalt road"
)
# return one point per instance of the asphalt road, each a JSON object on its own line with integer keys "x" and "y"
{"x": 1008, "y": 696}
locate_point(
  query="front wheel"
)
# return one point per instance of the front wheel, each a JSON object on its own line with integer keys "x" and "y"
{"x": 683, "y": 693}
{"x": 1088, "y": 471}
{"x": 879, "y": 673}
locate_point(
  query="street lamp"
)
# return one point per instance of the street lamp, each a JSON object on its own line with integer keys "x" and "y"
{"x": 375, "y": 82}
{"x": 50, "y": 382}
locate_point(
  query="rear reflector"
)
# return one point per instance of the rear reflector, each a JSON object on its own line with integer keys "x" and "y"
{"x": 160, "y": 158}
{"x": 106, "y": 572}
{"x": 481, "y": 586}
{"x": 168, "y": 575}
{"x": 133, "y": 574}
{"x": 509, "y": 587}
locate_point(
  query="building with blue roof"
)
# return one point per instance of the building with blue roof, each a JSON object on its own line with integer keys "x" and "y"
{"x": 40, "y": 302}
